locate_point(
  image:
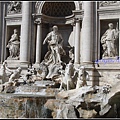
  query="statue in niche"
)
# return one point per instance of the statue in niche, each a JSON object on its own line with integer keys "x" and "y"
{"x": 108, "y": 41}
{"x": 14, "y": 46}
{"x": 55, "y": 49}
{"x": 14, "y": 7}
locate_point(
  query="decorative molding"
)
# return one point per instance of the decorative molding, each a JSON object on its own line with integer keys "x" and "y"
{"x": 110, "y": 11}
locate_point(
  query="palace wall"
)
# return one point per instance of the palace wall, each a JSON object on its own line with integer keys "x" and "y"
{"x": 81, "y": 24}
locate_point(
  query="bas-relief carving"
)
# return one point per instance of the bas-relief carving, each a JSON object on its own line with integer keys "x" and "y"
{"x": 108, "y": 41}
{"x": 14, "y": 46}
{"x": 14, "y": 7}
{"x": 108, "y": 3}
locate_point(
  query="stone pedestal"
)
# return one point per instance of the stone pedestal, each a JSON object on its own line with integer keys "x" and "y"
{"x": 107, "y": 73}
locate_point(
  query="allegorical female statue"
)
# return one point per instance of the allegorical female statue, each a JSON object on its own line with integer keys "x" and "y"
{"x": 108, "y": 41}
{"x": 14, "y": 46}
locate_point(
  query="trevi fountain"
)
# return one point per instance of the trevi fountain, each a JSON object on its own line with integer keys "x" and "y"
{"x": 59, "y": 59}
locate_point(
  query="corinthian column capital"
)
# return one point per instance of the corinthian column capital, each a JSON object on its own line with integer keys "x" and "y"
{"x": 38, "y": 21}
{"x": 77, "y": 19}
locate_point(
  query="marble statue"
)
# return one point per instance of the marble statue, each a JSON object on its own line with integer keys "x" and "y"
{"x": 108, "y": 41}
{"x": 31, "y": 75}
{"x": 15, "y": 75}
{"x": 71, "y": 54}
{"x": 82, "y": 77}
{"x": 67, "y": 81}
{"x": 43, "y": 70}
{"x": 5, "y": 72}
{"x": 54, "y": 40}
{"x": 14, "y": 46}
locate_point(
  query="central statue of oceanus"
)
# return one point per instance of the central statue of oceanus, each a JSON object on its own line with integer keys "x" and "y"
{"x": 55, "y": 49}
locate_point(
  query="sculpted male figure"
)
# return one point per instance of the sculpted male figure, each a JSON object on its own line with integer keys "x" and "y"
{"x": 108, "y": 41}
{"x": 54, "y": 40}
{"x": 15, "y": 75}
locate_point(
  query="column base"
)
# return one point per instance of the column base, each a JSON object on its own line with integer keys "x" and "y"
{"x": 24, "y": 64}
{"x": 87, "y": 64}
{"x": 76, "y": 65}
{"x": 36, "y": 65}
{"x": 13, "y": 64}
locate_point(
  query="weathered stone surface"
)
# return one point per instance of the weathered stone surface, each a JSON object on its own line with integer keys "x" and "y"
{"x": 9, "y": 89}
{"x": 17, "y": 106}
{"x": 87, "y": 113}
{"x": 86, "y": 102}
{"x": 61, "y": 109}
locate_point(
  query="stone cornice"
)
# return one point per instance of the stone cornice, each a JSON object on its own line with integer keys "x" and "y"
{"x": 53, "y": 20}
{"x": 109, "y": 11}
{"x": 15, "y": 17}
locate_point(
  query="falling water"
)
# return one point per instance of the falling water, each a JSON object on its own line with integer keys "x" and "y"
{"x": 23, "y": 106}
{"x": 58, "y": 115}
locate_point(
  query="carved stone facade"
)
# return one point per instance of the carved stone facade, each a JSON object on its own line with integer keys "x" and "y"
{"x": 75, "y": 45}
{"x": 81, "y": 24}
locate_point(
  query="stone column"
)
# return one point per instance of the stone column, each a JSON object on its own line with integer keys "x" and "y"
{"x": 24, "y": 42}
{"x": 0, "y": 28}
{"x": 38, "y": 40}
{"x": 119, "y": 37}
{"x": 3, "y": 30}
{"x": 77, "y": 41}
{"x": 87, "y": 32}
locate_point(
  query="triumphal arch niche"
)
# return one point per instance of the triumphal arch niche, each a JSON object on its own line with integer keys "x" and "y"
{"x": 62, "y": 14}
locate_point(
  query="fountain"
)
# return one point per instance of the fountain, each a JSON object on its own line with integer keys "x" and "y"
{"x": 30, "y": 96}
{"x": 23, "y": 96}
{"x": 55, "y": 89}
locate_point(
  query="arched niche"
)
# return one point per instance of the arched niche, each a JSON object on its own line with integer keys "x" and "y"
{"x": 60, "y": 14}
{"x": 39, "y": 5}
{"x": 58, "y": 9}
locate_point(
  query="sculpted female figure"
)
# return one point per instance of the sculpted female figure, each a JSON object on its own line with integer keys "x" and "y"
{"x": 14, "y": 45}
